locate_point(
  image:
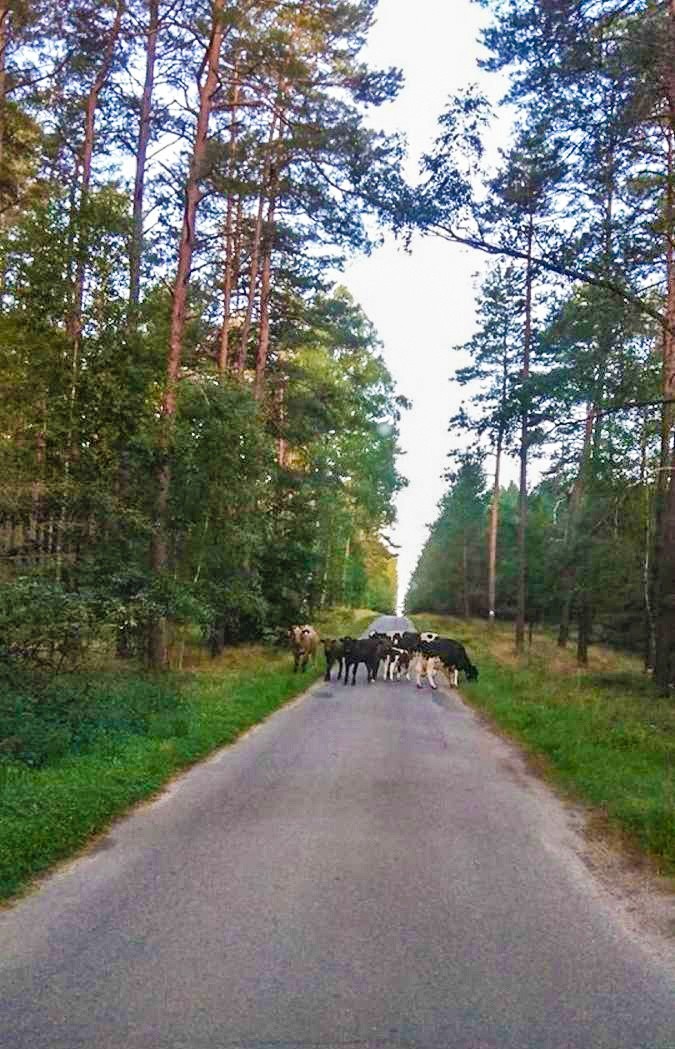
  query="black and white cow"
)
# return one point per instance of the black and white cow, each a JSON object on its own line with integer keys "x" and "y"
{"x": 452, "y": 655}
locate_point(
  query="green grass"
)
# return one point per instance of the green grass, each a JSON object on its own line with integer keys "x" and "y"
{"x": 90, "y": 754}
{"x": 605, "y": 735}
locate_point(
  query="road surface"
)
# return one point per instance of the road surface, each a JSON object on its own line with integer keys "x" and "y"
{"x": 370, "y": 868}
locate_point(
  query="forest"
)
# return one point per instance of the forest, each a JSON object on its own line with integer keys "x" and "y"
{"x": 197, "y": 425}
{"x": 572, "y": 365}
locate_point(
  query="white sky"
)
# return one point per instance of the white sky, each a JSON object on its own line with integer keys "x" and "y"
{"x": 422, "y": 303}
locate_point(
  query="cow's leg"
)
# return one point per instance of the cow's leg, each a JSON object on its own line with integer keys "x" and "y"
{"x": 430, "y": 675}
{"x": 420, "y": 669}
{"x": 340, "y": 662}
{"x": 347, "y": 665}
{"x": 356, "y": 667}
{"x": 454, "y": 677}
{"x": 296, "y": 660}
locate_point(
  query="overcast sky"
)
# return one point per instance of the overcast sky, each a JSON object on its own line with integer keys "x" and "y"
{"x": 422, "y": 303}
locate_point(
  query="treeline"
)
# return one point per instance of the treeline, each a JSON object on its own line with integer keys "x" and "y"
{"x": 573, "y": 362}
{"x": 196, "y": 426}
{"x": 451, "y": 576}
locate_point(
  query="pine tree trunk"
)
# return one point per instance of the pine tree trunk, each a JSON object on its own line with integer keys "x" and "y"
{"x": 265, "y": 293}
{"x": 584, "y": 625}
{"x": 583, "y": 569}
{"x": 136, "y": 246}
{"x": 144, "y": 129}
{"x": 282, "y": 447}
{"x": 237, "y": 259}
{"x": 255, "y": 249}
{"x": 224, "y": 344}
{"x": 492, "y": 532}
{"x": 4, "y": 42}
{"x": 81, "y": 246}
{"x": 86, "y": 157}
{"x": 465, "y": 576}
{"x": 230, "y": 263}
{"x": 345, "y": 571}
{"x": 650, "y": 626}
{"x": 38, "y": 486}
{"x": 569, "y": 572}
{"x": 524, "y": 441}
{"x": 565, "y": 613}
{"x": 159, "y": 551}
{"x": 664, "y": 553}
{"x": 664, "y": 669}
{"x": 664, "y": 604}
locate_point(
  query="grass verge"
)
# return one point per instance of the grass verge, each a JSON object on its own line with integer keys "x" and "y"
{"x": 605, "y": 735}
{"x": 94, "y": 751}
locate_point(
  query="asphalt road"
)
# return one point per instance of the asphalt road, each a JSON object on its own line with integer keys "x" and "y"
{"x": 370, "y": 868}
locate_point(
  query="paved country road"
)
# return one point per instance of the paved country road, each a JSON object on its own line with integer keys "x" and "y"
{"x": 370, "y": 868}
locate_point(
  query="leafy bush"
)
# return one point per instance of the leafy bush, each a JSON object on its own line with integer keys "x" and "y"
{"x": 70, "y": 717}
{"x": 44, "y": 627}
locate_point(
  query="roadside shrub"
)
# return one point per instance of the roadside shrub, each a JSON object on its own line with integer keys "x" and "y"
{"x": 70, "y": 716}
{"x": 43, "y": 627}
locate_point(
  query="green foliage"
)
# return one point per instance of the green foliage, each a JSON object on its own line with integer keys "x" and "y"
{"x": 43, "y": 626}
{"x": 87, "y": 422}
{"x": 581, "y": 204}
{"x": 450, "y": 573}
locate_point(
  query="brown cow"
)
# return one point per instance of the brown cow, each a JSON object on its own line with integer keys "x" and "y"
{"x": 304, "y": 642}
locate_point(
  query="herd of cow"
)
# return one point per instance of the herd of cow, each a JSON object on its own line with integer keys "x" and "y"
{"x": 407, "y": 653}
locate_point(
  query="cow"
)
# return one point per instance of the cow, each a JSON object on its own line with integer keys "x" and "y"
{"x": 334, "y": 650}
{"x": 382, "y": 653}
{"x": 363, "y": 650}
{"x": 304, "y": 642}
{"x": 452, "y": 655}
{"x": 399, "y": 661}
{"x": 408, "y": 641}
{"x": 424, "y": 666}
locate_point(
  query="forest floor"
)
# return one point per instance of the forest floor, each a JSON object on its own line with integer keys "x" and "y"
{"x": 86, "y": 747}
{"x": 600, "y": 735}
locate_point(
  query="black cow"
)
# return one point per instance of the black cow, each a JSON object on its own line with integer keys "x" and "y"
{"x": 364, "y": 650}
{"x": 382, "y": 653}
{"x": 334, "y": 650}
{"x": 452, "y": 655}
